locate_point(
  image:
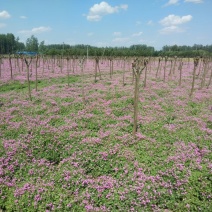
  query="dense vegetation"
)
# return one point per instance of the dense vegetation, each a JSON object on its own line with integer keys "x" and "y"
{"x": 69, "y": 146}
{"x": 9, "y": 44}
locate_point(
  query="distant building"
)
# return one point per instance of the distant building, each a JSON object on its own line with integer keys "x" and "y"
{"x": 27, "y": 53}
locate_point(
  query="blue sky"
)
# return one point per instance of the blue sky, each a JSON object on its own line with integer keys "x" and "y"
{"x": 109, "y": 23}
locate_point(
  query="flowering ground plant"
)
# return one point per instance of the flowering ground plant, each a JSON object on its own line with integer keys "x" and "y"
{"x": 65, "y": 152}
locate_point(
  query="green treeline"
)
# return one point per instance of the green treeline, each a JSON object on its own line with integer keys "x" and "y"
{"x": 10, "y": 45}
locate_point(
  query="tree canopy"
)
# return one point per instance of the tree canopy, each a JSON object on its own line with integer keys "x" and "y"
{"x": 32, "y": 44}
{"x": 9, "y": 44}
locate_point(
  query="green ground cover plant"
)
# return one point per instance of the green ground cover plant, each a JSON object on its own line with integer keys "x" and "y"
{"x": 60, "y": 152}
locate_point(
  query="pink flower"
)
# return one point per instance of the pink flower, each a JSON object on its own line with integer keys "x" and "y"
{"x": 104, "y": 155}
{"x": 37, "y": 198}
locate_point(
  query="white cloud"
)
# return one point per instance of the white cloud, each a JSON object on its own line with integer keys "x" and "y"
{"x": 142, "y": 41}
{"x": 138, "y": 23}
{"x": 172, "y": 20}
{"x": 171, "y": 29}
{"x": 23, "y": 17}
{"x": 94, "y": 17}
{"x": 36, "y": 30}
{"x": 100, "y": 44}
{"x": 195, "y": 1}
{"x": 40, "y": 29}
{"x": 97, "y": 11}
{"x": 2, "y": 25}
{"x": 117, "y": 33}
{"x": 90, "y": 34}
{"x": 4, "y": 14}
{"x": 124, "y": 6}
{"x": 120, "y": 40}
{"x": 150, "y": 22}
{"x": 137, "y": 34}
{"x": 172, "y": 2}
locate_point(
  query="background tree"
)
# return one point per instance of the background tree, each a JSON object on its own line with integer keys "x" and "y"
{"x": 32, "y": 44}
{"x": 10, "y": 43}
{"x": 19, "y": 46}
{"x": 42, "y": 47}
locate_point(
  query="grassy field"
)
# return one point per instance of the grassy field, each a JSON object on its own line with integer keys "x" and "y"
{"x": 59, "y": 154}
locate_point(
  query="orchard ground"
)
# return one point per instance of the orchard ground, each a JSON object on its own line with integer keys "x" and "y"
{"x": 59, "y": 153}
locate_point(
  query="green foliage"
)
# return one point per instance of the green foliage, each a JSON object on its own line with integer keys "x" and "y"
{"x": 13, "y": 85}
{"x": 194, "y": 108}
{"x": 67, "y": 155}
{"x": 9, "y": 44}
{"x": 32, "y": 44}
{"x": 18, "y": 86}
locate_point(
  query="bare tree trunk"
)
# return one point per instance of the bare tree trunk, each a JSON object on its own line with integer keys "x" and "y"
{"x": 188, "y": 62}
{"x": 138, "y": 67}
{"x": 170, "y": 72}
{"x": 136, "y": 92}
{"x": 17, "y": 59}
{"x": 159, "y": 60}
{"x": 97, "y": 67}
{"x": 73, "y": 63}
{"x": 111, "y": 67}
{"x": 180, "y": 69}
{"x": 206, "y": 64}
{"x": 31, "y": 68}
{"x": 175, "y": 62}
{"x": 145, "y": 74}
{"x": 201, "y": 61}
{"x": 196, "y": 61}
{"x": 36, "y": 73}
{"x": 28, "y": 80}
{"x": 209, "y": 80}
{"x": 43, "y": 65}
{"x": 95, "y": 71}
{"x": 164, "y": 69}
{"x": 53, "y": 64}
{"x": 11, "y": 68}
{"x": 61, "y": 64}
{"x": 99, "y": 71}
{"x": 124, "y": 70}
{"x": 0, "y": 65}
{"x": 133, "y": 76}
{"x": 22, "y": 64}
{"x": 81, "y": 63}
{"x": 67, "y": 59}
